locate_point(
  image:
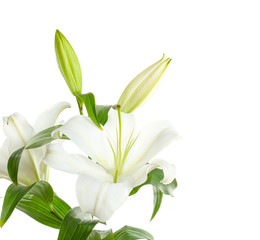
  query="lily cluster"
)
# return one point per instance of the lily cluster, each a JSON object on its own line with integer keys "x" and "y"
{"x": 118, "y": 158}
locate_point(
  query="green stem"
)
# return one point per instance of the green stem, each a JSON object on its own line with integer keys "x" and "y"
{"x": 80, "y": 105}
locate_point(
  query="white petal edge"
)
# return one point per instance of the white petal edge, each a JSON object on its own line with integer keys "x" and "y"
{"x": 169, "y": 170}
{"x": 57, "y": 158}
{"x": 4, "y": 155}
{"x": 139, "y": 174}
{"x": 17, "y": 130}
{"x": 152, "y": 139}
{"x": 90, "y": 139}
{"x": 101, "y": 198}
{"x": 48, "y": 118}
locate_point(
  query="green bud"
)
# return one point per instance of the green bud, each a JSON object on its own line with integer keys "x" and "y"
{"x": 142, "y": 86}
{"x": 68, "y": 63}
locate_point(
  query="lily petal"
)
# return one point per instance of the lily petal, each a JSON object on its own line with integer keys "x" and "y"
{"x": 57, "y": 158}
{"x": 90, "y": 139}
{"x": 127, "y": 127}
{"x": 4, "y": 155}
{"x": 151, "y": 140}
{"x": 101, "y": 198}
{"x": 17, "y": 130}
{"x": 139, "y": 173}
{"x": 169, "y": 170}
{"x": 49, "y": 116}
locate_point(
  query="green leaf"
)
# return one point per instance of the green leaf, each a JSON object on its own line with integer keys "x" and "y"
{"x": 49, "y": 216}
{"x": 76, "y": 225}
{"x": 59, "y": 206}
{"x": 101, "y": 235}
{"x": 68, "y": 63}
{"x": 157, "y": 200}
{"x": 12, "y": 197}
{"x": 38, "y": 201}
{"x": 36, "y": 209}
{"x": 13, "y": 165}
{"x": 90, "y": 104}
{"x": 132, "y": 233}
{"x": 42, "y": 138}
{"x": 102, "y": 113}
{"x": 154, "y": 178}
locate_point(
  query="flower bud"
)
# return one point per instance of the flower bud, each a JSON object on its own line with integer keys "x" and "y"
{"x": 68, "y": 63}
{"x": 138, "y": 90}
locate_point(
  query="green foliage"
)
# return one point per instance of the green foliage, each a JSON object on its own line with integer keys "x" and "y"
{"x": 102, "y": 113}
{"x": 76, "y": 225}
{"x": 38, "y": 201}
{"x": 13, "y": 165}
{"x": 42, "y": 138}
{"x": 90, "y": 104}
{"x": 97, "y": 113}
{"x": 154, "y": 178}
{"x": 101, "y": 235}
{"x": 157, "y": 200}
{"x": 132, "y": 233}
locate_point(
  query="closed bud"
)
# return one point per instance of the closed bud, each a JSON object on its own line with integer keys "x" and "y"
{"x": 142, "y": 86}
{"x": 68, "y": 63}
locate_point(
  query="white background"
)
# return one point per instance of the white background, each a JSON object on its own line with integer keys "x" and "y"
{"x": 210, "y": 93}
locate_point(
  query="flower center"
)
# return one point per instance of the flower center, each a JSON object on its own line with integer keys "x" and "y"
{"x": 121, "y": 154}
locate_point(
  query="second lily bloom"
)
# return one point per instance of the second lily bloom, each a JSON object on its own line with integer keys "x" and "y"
{"x": 18, "y": 132}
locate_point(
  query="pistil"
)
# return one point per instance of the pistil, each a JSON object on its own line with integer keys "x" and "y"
{"x": 119, "y": 145}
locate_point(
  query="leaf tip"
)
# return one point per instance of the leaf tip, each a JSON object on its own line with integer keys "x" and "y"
{"x": 1, "y": 223}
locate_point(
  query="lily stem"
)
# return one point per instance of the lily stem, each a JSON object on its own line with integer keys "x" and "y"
{"x": 80, "y": 105}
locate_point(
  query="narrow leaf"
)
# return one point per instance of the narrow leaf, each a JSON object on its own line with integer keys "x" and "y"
{"x": 60, "y": 206}
{"x": 51, "y": 216}
{"x": 132, "y": 233}
{"x": 14, "y": 194}
{"x": 101, "y": 235}
{"x": 42, "y": 138}
{"x": 37, "y": 201}
{"x": 13, "y": 165}
{"x": 90, "y": 104}
{"x": 76, "y": 225}
{"x": 157, "y": 200}
{"x": 102, "y": 113}
{"x": 154, "y": 178}
{"x": 12, "y": 197}
{"x": 37, "y": 210}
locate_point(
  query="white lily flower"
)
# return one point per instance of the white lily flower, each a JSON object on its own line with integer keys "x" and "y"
{"x": 18, "y": 132}
{"x": 116, "y": 159}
